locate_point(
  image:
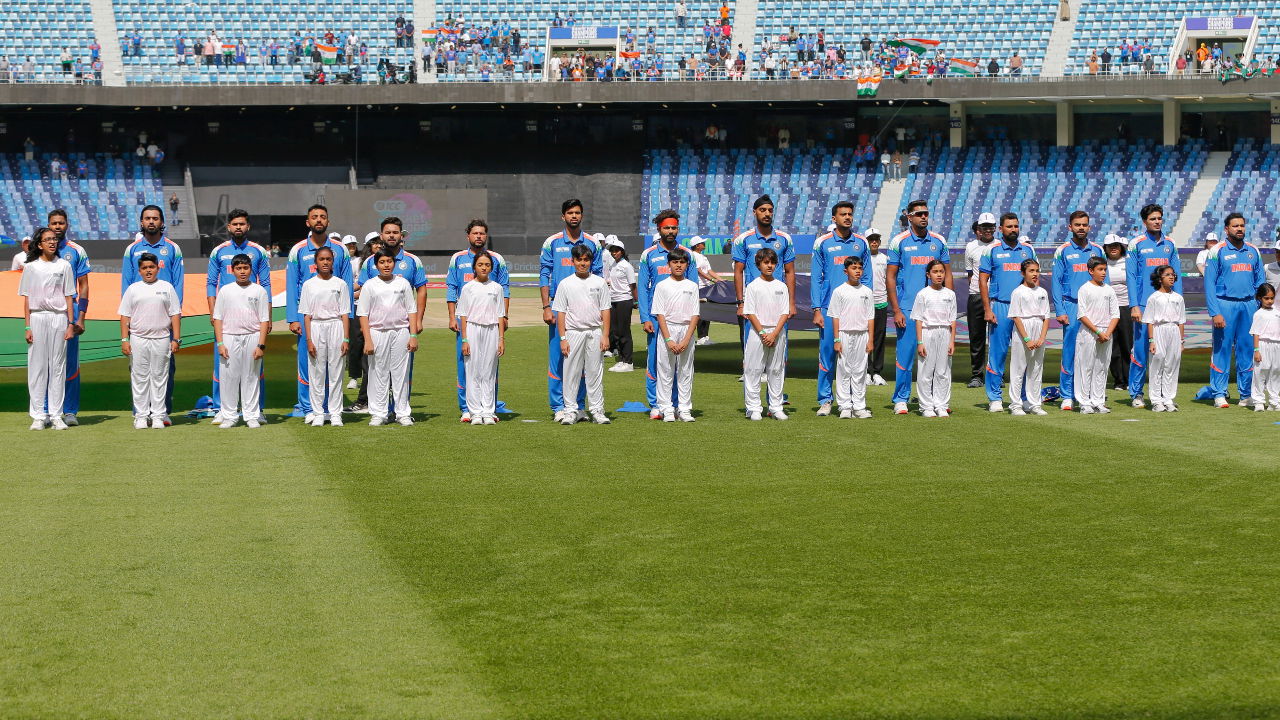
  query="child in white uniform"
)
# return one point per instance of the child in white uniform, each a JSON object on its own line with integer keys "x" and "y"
{"x": 481, "y": 327}
{"x": 325, "y": 304}
{"x": 582, "y": 299}
{"x": 935, "y": 314}
{"x": 766, "y": 304}
{"x": 48, "y": 288}
{"x": 675, "y": 306}
{"x": 1266, "y": 351}
{"x": 241, "y": 321}
{"x": 150, "y": 332}
{"x": 1099, "y": 313}
{"x": 853, "y": 317}
{"x": 388, "y": 312}
{"x": 1166, "y": 314}
{"x": 1029, "y": 310}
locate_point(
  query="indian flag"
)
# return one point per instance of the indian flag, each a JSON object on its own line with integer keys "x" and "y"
{"x": 868, "y": 86}
{"x": 900, "y": 71}
{"x": 430, "y": 35}
{"x": 965, "y": 68}
{"x": 328, "y": 53}
{"x": 916, "y": 45}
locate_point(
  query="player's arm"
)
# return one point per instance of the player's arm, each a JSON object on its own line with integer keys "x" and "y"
{"x": 1211, "y": 269}
{"x": 604, "y": 328}
{"x": 739, "y": 270}
{"x": 311, "y": 345}
{"x": 817, "y": 278}
{"x": 462, "y": 334}
{"x": 124, "y": 336}
{"x": 789, "y": 273}
{"x": 891, "y": 294}
{"x": 421, "y": 309}
{"x": 82, "y": 305}
{"x": 178, "y": 274}
{"x": 951, "y": 346}
{"x": 263, "y": 270}
{"x": 291, "y": 296}
{"x": 919, "y": 318}
{"x": 948, "y": 280}
{"x": 545, "y": 261}
{"x": 564, "y": 341}
{"x": 1057, "y": 286}
{"x": 127, "y": 270}
{"x": 871, "y": 334}
{"x": 175, "y": 331}
{"x": 1134, "y": 279}
{"x": 984, "y": 282}
{"x": 452, "y": 291}
{"x": 217, "y": 338}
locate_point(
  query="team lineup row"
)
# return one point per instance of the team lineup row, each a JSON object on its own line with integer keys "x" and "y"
{"x": 387, "y": 297}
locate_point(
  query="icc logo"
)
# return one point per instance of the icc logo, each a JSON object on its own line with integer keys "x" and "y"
{"x": 389, "y": 206}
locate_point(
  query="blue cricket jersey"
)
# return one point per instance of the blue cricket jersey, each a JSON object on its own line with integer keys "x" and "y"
{"x": 302, "y": 267}
{"x": 911, "y": 254}
{"x": 1071, "y": 270}
{"x": 220, "y": 266}
{"x": 826, "y": 271}
{"x": 555, "y": 263}
{"x": 407, "y": 266}
{"x": 460, "y": 273}
{"x": 1002, "y": 263}
{"x": 1232, "y": 273}
{"x": 652, "y": 269}
{"x": 168, "y": 256}
{"x": 1146, "y": 253}
{"x": 746, "y": 245}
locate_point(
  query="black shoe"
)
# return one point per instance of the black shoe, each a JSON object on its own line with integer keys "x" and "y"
{"x": 356, "y": 408}
{"x": 976, "y": 383}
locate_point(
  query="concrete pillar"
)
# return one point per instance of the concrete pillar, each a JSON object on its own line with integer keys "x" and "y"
{"x": 1275, "y": 122}
{"x": 1066, "y": 124}
{"x": 1172, "y": 113}
{"x": 959, "y": 125}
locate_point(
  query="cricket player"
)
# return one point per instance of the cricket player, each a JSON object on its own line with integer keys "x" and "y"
{"x": 481, "y": 310}
{"x": 1147, "y": 252}
{"x": 325, "y": 307}
{"x": 152, "y": 240}
{"x": 150, "y": 333}
{"x": 300, "y": 269}
{"x": 655, "y": 267}
{"x": 827, "y": 272}
{"x": 220, "y": 275}
{"x": 675, "y": 308}
{"x": 1233, "y": 272}
{"x": 908, "y": 255}
{"x": 78, "y": 259}
{"x": 582, "y": 317}
{"x": 48, "y": 289}
{"x": 1070, "y": 272}
{"x": 462, "y": 271}
{"x": 554, "y": 265}
{"x": 767, "y": 307}
{"x": 389, "y": 315}
{"x": 241, "y": 321}
{"x": 745, "y": 247}
{"x": 999, "y": 274}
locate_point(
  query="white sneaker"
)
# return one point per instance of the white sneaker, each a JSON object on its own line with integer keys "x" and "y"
{"x": 164, "y": 420}
{"x": 1137, "y": 402}
{"x": 310, "y": 419}
{"x": 620, "y": 367}
{"x": 824, "y": 409}
{"x": 862, "y": 414}
{"x": 740, "y": 378}
{"x": 352, "y": 384}
{"x": 1016, "y": 410}
{"x": 685, "y": 416}
{"x": 1103, "y": 409}
{"x": 567, "y": 417}
{"x": 405, "y": 421}
{"x": 69, "y": 419}
{"x": 1086, "y": 410}
{"x": 253, "y": 424}
{"x": 996, "y": 406}
{"x": 900, "y": 408}
{"x": 1259, "y": 408}
{"x": 1066, "y": 406}
{"x": 655, "y": 414}
{"x": 581, "y": 416}
{"x": 317, "y": 421}
{"x": 608, "y": 353}
{"x": 37, "y": 424}
{"x": 1245, "y": 402}
{"x": 753, "y": 415}
{"x": 846, "y": 414}
{"x": 1171, "y": 408}
{"x": 140, "y": 423}
{"x": 466, "y": 417}
{"x": 669, "y": 416}
{"x": 226, "y": 424}
{"x": 928, "y": 414}
{"x": 490, "y": 420}
{"x": 159, "y": 423}
{"x": 376, "y": 420}
{"x": 1221, "y": 402}
{"x": 705, "y": 340}
{"x": 599, "y": 419}
{"x": 778, "y": 415}
{"x": 1157, "y": 407}
{"x": 877, "y": 380}
{"x": 1037, "y": 410}
{"x": 335, "y": 421}
{"x": 943, "y": 412}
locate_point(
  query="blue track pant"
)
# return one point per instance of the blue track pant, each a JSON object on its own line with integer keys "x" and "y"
{"x": 1232, "y": 338}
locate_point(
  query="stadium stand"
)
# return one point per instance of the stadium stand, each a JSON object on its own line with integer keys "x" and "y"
{"x": 713, "y": 189}
{"x": 1248, "y": 186}
{"x": 39, "y": 31}
{"x": 103, "y": 205}
{"x": 1038, "y": 181}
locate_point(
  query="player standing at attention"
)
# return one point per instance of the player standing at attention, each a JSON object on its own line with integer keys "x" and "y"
{"x": 745, "y": 247}
{"x": 582, "y": 317}
{"x": 48, "y": 289}
{"x": 241, "y": 321}
{"x": 151, "y": 240}
{"x": 655, "y": 266}
{"x": 877, "y": 271}
{"x": 622, "y": 293}
{"x": 389, "y": 319}
{"x": 1167, "y": 315}
{"x": 1029, "y": 310}
{"x": 909, "y": 253}
{"x": 999, "y": 274}
{"x": 827, "y": 273}
{"x": 220, "y": 275}
{"x": 1266, "y": 350}
{"x": 555, "y": 264}
{"x": 675, "y": 308}
{"x": 150, "y": 333}
{"x": 984, "y": 234}
{"x": 1232, "y": 275}
{"x": 1070, "y": 272}
{"x": 78, "y": 259}
{"x": 853, "y": 318}
{"x": 325, "y": 307}
{"x": 767, "y": 306}
{"x": 1147, "y": 252}
{"x": 481, "y": 313}
{"x": 1099, "y": 313}
{"x": 301, "y": 268}
{"x": 462, "y": 271}
{"x": 934, "y": 316}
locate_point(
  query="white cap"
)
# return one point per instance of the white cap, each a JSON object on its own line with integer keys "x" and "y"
{"x": 986, "y": 219}
{"x": 335, "y": 236}
{"x": 1113, "y": 239}
{"x": 349, "y": 240}
{"x": 598, "y": 237}
{"x": 371, "y": 237}
{"x": 1277, "y": 247}
{"x": 613, "y": 241}
{"x": 870, "y": 232}
{"x": 696, "y": 240}
{"x": 831, "y": 227}
{"x": 1211, "y": 236}
{"x": 1024, "y": 239}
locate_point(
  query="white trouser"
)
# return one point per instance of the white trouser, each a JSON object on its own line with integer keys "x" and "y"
{"x": 675, "y": 368}
{"x": 482, "y": 370}
{"x": 239, "y": 377}
{"x": 149, "y": 375}
{"x": 1164, "y": 363}
{"x": 1026, "y": 371}
{"x": 47, "y": 364}
{"x": 584, "y": 357}
{"x": 324, "y": 370}
{"x": 1092, "y": 359}
{"x": 934, "y": 370}
{"x": 1266, "y": 374}
{"x": 764, "y": 363}
{"x": 389, "y": 366}
{"x": 851, "y": 371}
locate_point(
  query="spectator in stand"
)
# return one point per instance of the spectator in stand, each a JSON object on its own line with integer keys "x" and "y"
{"x": 82, "y": 169}
{"x": 885, "y": 162}
{"x": 682, "y": 14}
{"x": 174, "y": 202}
{"x": 1093, "y": 63}
{"x": 399, "y": 29}
{"x": 1106, "y": 61}
{"x": 95, "y": 50}
{"x": 1015, "y": 64}
{"x": 66, "y": 59}
{"x": 1149, "y": 64}
{"x": 897, "y": 165}
{"x": 724, "y": 12}
{"x": 993, "y": 68}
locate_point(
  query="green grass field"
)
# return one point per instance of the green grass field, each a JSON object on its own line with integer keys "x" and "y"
{"x": 975, "y": 567}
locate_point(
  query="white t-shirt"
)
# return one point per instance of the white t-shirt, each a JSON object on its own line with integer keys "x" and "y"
{"x": 325, "y": 299}
{"x": 1164, "y": 307}
{"x": 701, "y": 265}
{"x": 1030, "y": 304}
{"x": 481, "y": 302}
{"x": 581, "y": 299}
{"x": 242, "y": 310}
{"x": 768, "y": 300}
{"x": 879, "y": 271}
{"x": 1201, "y": 258}
{"x": 387, "y": 304}
{"x": 1266, "y": 324}
{"x": 621, "y": 277}
{"x": 677, "y": 300}
{"x": 18, "y": 261}
{"x": 1098, "y": 303}
{"x": 47, "y": 285}
{"x": 1118, "y": 279}
{"x": 972, "y": 257}
{"x": 853, "y": 305}
{"x": 934, "y": 308}
{"x": 1272, "y": 269}
{"x": 150, "y": 308}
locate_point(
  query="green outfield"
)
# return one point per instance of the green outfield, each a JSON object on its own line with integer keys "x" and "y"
{"x": 980, "y": 566}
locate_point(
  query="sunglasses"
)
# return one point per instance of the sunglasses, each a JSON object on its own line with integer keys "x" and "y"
{"x": 920, "y": 213}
